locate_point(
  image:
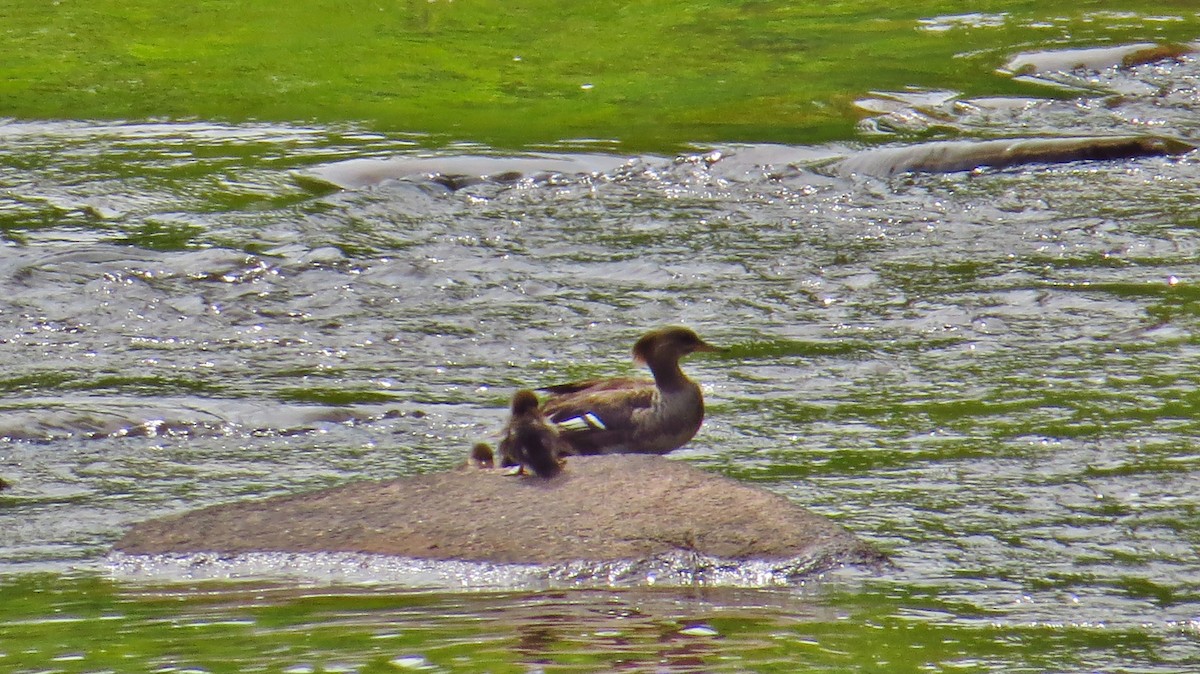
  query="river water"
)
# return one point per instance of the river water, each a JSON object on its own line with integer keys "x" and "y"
{"x": 990, "y": 374}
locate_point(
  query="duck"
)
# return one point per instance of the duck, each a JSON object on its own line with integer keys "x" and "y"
{"x": 529, "y": 441}
{"x": 633, "y": 415}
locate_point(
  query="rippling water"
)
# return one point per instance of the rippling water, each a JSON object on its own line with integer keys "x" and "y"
{"x": 991, "y": 374}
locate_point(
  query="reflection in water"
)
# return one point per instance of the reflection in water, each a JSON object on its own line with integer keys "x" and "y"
{"x": 247, "y": 626}
{"x": 990, "y": 373}
{"x": 595, "y": 630}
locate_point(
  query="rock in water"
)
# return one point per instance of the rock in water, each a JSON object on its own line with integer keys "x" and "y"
{"x": 964, "y": 155}
{"x": 600, "y": 508}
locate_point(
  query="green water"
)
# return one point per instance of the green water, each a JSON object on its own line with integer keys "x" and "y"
{"x": 98, "y": 627}
{"x": 650, "y": 75}
{"x": 991, "y": 374}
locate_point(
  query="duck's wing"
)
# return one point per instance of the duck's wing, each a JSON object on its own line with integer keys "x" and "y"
{"x": 593, "y": 385}
{"x": 599, "y": 421}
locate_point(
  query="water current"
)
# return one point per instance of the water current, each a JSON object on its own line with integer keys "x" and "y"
{"x": 991, "y": 374}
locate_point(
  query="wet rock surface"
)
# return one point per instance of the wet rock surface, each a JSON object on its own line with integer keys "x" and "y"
{"x": 949, "y": 156}
{"x": 457, "y": 172}
{"x": 602, "y": 508}
{"x": 931, "y": 157}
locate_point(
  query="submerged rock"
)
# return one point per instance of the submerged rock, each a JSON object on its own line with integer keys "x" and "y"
{"x": 457, "y": 172}
{"x": 1096, "y": 58}
{"x": 949, "y": 156}
{"x": 600, "y": 509}
{"x": 453, "y": 173}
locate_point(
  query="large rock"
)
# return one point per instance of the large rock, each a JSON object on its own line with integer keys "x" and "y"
{"x": 601, "y": 508}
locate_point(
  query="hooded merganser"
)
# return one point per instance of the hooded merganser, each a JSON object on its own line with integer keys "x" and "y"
{"x": 634, "y": 415}
{"x": 529, "y": 441}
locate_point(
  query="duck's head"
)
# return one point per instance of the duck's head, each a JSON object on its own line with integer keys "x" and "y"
{"x": 669, "y": 344}
{"x": 524, "y": 402}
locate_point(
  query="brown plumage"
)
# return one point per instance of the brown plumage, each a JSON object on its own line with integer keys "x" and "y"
{"x": 529, "y": 441}
{"x": 633, "y": 415}
{"x": 482, "y": 456}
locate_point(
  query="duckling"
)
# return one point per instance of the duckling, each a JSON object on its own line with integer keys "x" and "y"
{"x": 529, "y": 441}
{"x": 481, "y": 457}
